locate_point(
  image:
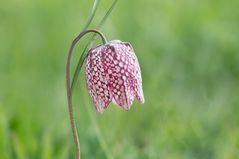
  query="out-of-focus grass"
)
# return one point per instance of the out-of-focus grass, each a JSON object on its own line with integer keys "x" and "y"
{"x": 189, "y": 55}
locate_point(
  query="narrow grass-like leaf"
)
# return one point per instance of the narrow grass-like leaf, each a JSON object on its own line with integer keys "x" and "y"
{"x": 92, "y": 15}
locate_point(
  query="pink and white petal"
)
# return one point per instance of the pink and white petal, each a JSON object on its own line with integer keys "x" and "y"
{"x": 122, "y": 93}
{"x": 116, "y": 63}
{"x": 96, "y": 80}
{"x": 136, "y": 73}
{"x": 139, "y": 92}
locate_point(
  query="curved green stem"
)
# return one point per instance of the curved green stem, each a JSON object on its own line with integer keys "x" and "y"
{"x": 80, "y": 63}
{"x": 68, "y": 86}
{"x": 83, "y": 56}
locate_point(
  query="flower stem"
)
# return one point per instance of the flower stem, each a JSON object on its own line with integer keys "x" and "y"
{"x": 68, "y": 86}
{"x": 83, "y": 56}
{"x": 90, "y": 42}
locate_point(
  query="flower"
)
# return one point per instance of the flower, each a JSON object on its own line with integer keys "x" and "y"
{"x": 113, "y": 74}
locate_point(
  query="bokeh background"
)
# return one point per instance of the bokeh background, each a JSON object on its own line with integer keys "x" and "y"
{"x": 189, "y": 55}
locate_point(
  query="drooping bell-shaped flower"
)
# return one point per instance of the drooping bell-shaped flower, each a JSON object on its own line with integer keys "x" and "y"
{"x": 113, "y": 74}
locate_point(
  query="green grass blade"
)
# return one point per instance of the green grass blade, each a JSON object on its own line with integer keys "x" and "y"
{"x": 92, "y": 15}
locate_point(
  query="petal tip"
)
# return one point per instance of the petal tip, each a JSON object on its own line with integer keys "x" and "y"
{"x": 101, "y": 109}
{"x": 127, "y": 107}
{"x": 141, "y": 99}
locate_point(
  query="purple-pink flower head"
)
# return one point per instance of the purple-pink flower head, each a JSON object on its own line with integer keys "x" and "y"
{"x": 113, "y": 74}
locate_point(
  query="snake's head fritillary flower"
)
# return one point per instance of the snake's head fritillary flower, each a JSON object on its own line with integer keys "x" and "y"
{"x": 113, "y": 74}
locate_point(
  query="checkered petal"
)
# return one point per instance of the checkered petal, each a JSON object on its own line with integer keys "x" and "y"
{"x": 134, "y": 68}
{"x": 96, "y": 80}
{"x": 113, "y": 74}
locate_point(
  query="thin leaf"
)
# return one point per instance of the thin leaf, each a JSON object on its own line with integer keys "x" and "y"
{"x": 92, "y": 15}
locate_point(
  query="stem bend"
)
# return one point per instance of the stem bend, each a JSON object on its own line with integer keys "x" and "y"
{"x": 68, "y": 85}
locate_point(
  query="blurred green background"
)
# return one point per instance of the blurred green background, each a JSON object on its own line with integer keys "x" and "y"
{"x": 189, "y": 55}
